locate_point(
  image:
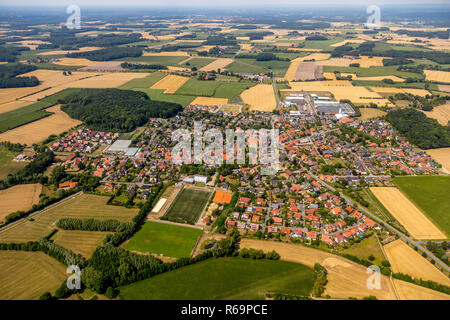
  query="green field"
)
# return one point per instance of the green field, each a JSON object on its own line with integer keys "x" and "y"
{"x": 146, "y": 82}
{"x": 224, "y": 278}
{"x": 6, "y": 165}
{"x": 167, "y": 239}
{"x": 197, "y": 62}
{"x": 217, "y": 89}
{"x": 187, "y": 206}
{"x": 158, "y": 95}
{"x": 430, "y": 194}
{"x": 371, "y": 83}
{"x": 365, "y": 248}
{"x": 252, "y": 66}
{"x": 24, "y": 115}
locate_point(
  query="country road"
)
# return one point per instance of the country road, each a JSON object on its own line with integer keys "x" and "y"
{"x": 418, "y": 244}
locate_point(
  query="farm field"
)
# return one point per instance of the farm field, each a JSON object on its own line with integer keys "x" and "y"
{"x": 13, "y": 105}
{"x": 82, "y": 242}
{"x": 209, "y": 101}
{"x": 370, "y": 113}
{"x": 260, "y": 97}
{"x": 429, "y": 194}
{"x": 7, "y": 165}
{"x": 39, "y": 130}
{"x": 27, "y": 275}
{"x": 145, "y": 82}
{"x": 219, "y": 63}
{"x": 187, "y": 206}
{"x": 74, "y": 62}
{"x": 196, "y": 87}
{"x": 404, "y": 259}
{"x": 440, "y": 113}
{"x": 345, "y": 278}
{"x": 20, "y": 197}
{"x": 419, "y": 92}
{"x": 170, "y": 83}
{"x": 409, "y": 291}
{"x": 442, "y": 155}
{"x": 224, "y": 278}
{"x": 365, "y": 248}
{"x": 82, "y": 207}
{"x": 197, "y": 62}
{"x": 373, "y": 71}
{"x": 161, "y": 60}
{"x": 158, "y": 95}
{"x": 163, "y": 238}
{"x": 414, "y": 220}
{"x": 438, "y": 76}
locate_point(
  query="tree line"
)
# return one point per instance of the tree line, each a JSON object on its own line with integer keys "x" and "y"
{"x": 107, "y": 54}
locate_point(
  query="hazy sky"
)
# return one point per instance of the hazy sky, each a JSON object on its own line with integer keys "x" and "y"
{"x": 208, "y": 2}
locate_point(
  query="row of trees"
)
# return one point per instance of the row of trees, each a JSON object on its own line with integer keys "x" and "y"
{"x": 133, "y": 66}
{"x": 107, "y": 54}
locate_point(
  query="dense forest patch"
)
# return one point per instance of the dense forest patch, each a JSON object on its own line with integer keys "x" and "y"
{"x": 115, "y": 109}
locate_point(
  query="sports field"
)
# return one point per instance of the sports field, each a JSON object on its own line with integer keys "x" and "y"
{"x": 224, "y": 278}
{"x": 168, "y": 239}
{"x": 27, "y": 275}
{"x": 430, "y": 194}
{"x": 188, "y": 206}
{"x": 82, "y": 207}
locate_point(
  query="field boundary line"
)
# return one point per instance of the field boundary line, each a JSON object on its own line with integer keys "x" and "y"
{"x": 176, "y": 223}
{"x": 196, "y": 243}
{"x": 390, "y": 273}
{"x": 173, "y": 201}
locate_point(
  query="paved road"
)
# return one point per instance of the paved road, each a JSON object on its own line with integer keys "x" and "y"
{"x": 418, "y": 244}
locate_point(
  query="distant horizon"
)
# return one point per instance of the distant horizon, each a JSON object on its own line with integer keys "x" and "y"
{"x": 217, "y": 3}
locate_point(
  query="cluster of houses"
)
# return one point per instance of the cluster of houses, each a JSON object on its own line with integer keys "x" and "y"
{"x": 83, "y": 141}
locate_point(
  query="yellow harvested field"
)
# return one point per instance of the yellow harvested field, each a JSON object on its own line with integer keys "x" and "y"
{"x": 246, "y": 46}
{"x": 260, "y": 98}
{"x": 414, "y": 220}
{"x": 219, "y": 63}
{"x": 74, "y": 62}
{"x": 291, "y": 72}
{"x": 367, "y": 62}
{"x": 205, "y": 101}
{"x": 32, "y": 44}
{"x": 358, "y": 95}
{"x": 336, "y": 62}
{"x": 345, "y": 278}
{"x": 375, "y": 78}
{"x": 171, "y": 83}
{"x": 440, "y": 113}
{"x": 243, "y": 38}
{"x": 172, "y": 69}
{"x": 13, "y": 105}
{"x": 370, "y": 113}
{"x": 438, "y": 76}
{"x": 58, "y": 52}
{"x": 49, "y": 79}
{"x": 27, "y": 275}
{"x": 83, "y": 206}
{"x": 409, "y": 291}
{"x": 404, "y": 259}
{"x": 441, "y": 155}
{"x": 418, "y": 92}
{"x": 39, "y": 130}
{"x": 165, "y": 54}
{"x": 329, "y": 75}
{"x": 444, "y": 87}
{"x": 82, "y": 242}
{"x": 20, "y": 197}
